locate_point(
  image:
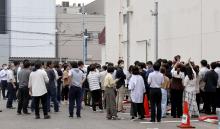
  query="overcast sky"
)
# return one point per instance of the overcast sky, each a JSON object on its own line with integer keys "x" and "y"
{"x": 74, "y": 1}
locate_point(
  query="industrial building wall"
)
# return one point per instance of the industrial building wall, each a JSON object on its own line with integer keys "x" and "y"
{"x": 188, "y": 28}
{"x": 70, "y": 35}
{"x": 4, "y": 36}
{"x": 32, "y": 28}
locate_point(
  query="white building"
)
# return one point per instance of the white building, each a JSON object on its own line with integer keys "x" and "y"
{"x": 70, "y": 33}
{"x": 30, "y": 29}
{"x": 188, "y": 28}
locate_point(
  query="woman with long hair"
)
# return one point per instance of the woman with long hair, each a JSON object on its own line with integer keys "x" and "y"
{"x": 190, "y": 83}
{"x": 176, "y": 90}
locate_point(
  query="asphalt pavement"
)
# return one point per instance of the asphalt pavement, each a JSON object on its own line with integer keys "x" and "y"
{"x": 89, "y": 120}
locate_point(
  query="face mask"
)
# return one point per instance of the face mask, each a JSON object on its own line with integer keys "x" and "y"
{"x": 5, "y": 67}
{"x": 122, "y": 65}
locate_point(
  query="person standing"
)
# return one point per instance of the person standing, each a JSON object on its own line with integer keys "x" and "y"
{"x": 103, "y": 74}
{"x": 155, "y": 79}
{"x": 149, "y": 70}
{"x": 217, "y": 70}
{"x": 75, "y": 92}
{"x": 16, "y": 70}
{"x": 0, "y": 91}
{"x": 211, "y": 82}
{"x": 59, "y": 81}
{"x": 23, "y": 91}
{"x": 52, "y": 89}
{"x": 190, "y": 82}
{"x": 66, "y": 83}
{"x": 37, "y": 86}
{"x": 137, "y": 87}
{"x": 204, "y": 69}
{"x": 3, "y": 76}
{"x": 82, "y": 68}
{"x": 109, "y": 94}
{"x": 11, "y": 87}
{"x": 176, "y": 90}
{"x": 94, "y": 86}
{"x": 120, "y": 85}
{"x": 164, "y": 90}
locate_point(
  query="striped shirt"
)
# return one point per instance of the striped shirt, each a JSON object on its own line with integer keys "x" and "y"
{"x": 94, "y": 79}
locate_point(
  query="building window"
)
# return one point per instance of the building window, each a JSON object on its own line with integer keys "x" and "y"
{"x": 3, "y": 16}
{"x": 65, "y": 4}
{"x": 125, "y": 19}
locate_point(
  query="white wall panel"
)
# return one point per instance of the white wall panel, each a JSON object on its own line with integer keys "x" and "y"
{"x": 33, "y": 28}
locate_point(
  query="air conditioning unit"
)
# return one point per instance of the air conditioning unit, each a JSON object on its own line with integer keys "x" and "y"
{"x": 126, "y": 10}
{"x": 65, "y": 4}
{"x": 130, "y": 9}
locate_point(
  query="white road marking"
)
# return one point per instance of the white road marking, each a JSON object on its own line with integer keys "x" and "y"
{"x": 167, "y": 122}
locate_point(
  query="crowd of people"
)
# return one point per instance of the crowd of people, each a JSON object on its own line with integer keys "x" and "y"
{"x": 166, "y": 84}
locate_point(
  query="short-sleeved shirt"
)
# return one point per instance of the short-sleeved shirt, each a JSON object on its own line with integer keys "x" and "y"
{"x": 76, "y": 76}
{"x": 155, "y": 79}
{"x": 37, "y": 82}
{"x": 23, "y": 77}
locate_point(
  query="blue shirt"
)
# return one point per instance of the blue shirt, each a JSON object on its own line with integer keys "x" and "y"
{"x": 76, "y": 76}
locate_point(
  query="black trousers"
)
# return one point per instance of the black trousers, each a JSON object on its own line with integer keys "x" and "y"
{"x": 137, "y": 109}
{"x": 210, "y": 102}
{"x": 11, "y": 92}
{"x": 218, "y": 98}
{"x": 97, "y": 99}
{"x": 23, "y": 98}
{"x": 87, "y": 97}
{"x": 176, "y": 103}
{"x": 43, "y": 100}
{"x": 4, "y": 85}
{"x": 65, "y": 92}
{"x": 58, "y": 91}
{"x": 75, "y": 95}
{"x": 198, "y": 100}
{"x": 155, "y": 101}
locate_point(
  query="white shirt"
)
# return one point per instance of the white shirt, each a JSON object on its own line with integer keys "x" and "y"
{"x": 19, "y": 69}
{"x": 37, "y": 82}
{"x": 3, "y": 74}
{"x": 155, "y": 79}
{"x": 102, "y": 78}
{"x": 176, "y": 75}
{"x": 137, "y": 87}
{"x": 202, "y": 73}
{"x": 190, "y": 85}
{"x": 56, "y": 76}
{"x": 217, "y": 70}
{"x": 94, "y": 79}
{"x": 10, "y": 76}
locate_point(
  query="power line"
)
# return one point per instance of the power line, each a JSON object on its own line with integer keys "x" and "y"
{"x": 37, "y": 46}
{"x": 40, "y": 33}
{"x": 40, "y": 17}
{"x": 54, "y": 22}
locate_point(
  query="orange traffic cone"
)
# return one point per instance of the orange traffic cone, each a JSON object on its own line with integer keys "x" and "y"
{"x": 146, "y": 107}
{"x": 185, "y": 118}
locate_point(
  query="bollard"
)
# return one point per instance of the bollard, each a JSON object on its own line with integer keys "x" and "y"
{"x": 218, "y": 113}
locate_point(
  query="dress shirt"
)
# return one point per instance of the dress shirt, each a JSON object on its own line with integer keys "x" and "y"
{"x": 37, "y": 82}
{"x": 155, "y": 79}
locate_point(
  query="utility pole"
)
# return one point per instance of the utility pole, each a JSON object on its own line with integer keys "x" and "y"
{"x": 155, "y": 14}
{"x": 128, "y": 34}
{"x": 83, "y": 29}
{"x": 86, "y": 44}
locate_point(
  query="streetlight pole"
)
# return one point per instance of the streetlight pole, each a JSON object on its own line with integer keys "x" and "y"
{"x": 84, "y": 39}
{"x": 155, "y": 14}
{"x": 128, "y": 34}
